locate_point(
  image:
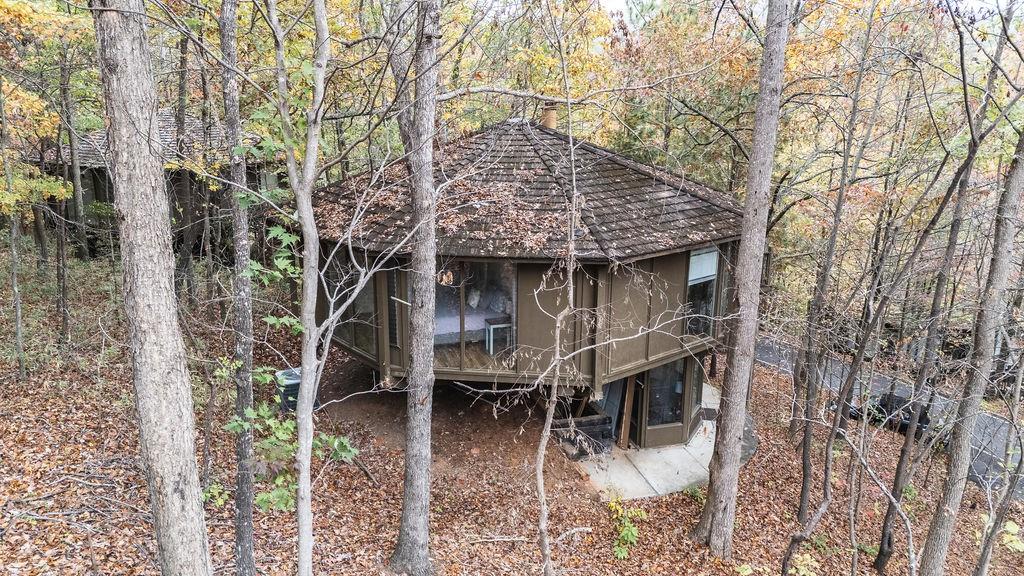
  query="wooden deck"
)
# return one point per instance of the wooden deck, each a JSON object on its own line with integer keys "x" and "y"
{"x": 477, "y": 358}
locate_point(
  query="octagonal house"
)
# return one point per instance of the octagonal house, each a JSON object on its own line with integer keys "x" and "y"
{"x": 653, "y": 250}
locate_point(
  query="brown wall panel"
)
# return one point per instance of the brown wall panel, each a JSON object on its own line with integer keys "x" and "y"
{"x": 629, "y": 314}
{"x": 668, "y": 298}
{"x": 538, "y": 302}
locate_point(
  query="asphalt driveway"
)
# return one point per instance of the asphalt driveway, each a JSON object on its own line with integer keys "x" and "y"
{"x": 990, "y": 432}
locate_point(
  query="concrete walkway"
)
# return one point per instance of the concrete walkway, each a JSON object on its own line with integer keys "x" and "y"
{"x": 642, "y": 473}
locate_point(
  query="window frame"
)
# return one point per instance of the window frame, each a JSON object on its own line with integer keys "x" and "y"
{"x": 691, "y": 282}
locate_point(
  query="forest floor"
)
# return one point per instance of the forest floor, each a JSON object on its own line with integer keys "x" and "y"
{"x": 73, "y": 496}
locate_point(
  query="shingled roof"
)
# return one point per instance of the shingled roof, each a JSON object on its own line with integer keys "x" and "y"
{"x": 504, "y": 192}
{"x": 93, "y": 150}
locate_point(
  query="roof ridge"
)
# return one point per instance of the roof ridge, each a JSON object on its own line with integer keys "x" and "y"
{"x": 643, "y": 169}
{"x": 585, "y": 213}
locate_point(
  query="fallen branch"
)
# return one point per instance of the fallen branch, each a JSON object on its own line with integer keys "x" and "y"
{"x": 572, "y": 531}
{"x": 373, "y": 479}
{"x": 498, "y": 539}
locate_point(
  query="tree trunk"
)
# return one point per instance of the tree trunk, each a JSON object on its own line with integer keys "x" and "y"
{"x": 719, "y": 513}
{"x": 1005, "y": 496}
{"x": 162, "y": 386}
{"x": 816, "y": 354}
{"x": 68, "y": 105}
{"x": 932, "y": 336}
{"x": 62, "y": 276}
{"x": 184, "y": 275}
{"x": 302, "y": 174}
{"x": 19, "y": 337}
{"x": 543, "y": 538}
{"x": 39, "y": 236}
{"x": 990, "y": 311}
{"x": 416, "y": 125}
{"x": 62, "y": 255}
{"x": 245, "y": 564}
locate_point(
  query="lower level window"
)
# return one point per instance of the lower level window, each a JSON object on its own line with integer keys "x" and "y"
{"x": 361, "y": 315}
{"x": 357, "y": 326}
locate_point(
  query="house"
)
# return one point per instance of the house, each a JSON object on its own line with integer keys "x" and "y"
{"x": 202, "y": 141}
{"x": 653, "y": 250}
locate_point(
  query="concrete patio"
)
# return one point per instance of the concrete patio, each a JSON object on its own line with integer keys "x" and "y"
{"x": 642, "y": 473}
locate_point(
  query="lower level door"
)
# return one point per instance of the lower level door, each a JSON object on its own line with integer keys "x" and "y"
{"x": 666, "y": 419}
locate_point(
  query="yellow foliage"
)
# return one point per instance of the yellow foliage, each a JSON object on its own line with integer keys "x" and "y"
{"x": 26, "y": 21}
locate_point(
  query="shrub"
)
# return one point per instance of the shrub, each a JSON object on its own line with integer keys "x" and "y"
{"x": 627, "y": 531}
{"x": 275, "y": 443}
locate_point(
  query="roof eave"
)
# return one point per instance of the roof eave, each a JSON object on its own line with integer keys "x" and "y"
{"x": 676, "y": 250}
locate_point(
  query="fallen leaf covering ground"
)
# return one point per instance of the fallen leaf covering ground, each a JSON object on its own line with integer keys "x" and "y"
{"x": 73, "y": 496}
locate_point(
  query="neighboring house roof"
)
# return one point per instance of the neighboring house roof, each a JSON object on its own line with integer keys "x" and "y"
{"x": 504, "y": 192}
{"x": 93, "y": 151}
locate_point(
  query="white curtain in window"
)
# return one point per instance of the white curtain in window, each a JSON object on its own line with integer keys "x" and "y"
{"x": 703, "y": 265}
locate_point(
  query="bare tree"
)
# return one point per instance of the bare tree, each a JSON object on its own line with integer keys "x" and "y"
{"x": 813, "y": 352}
{"x": 936, "y": 315}
{"x": 39, "y": 237}
{"x": 417, "y": 108}
{"x": 184, "y": 275}
{"x": 719, "y": 513}
{"x": 302, "y": 174}
{"x": 245, "y": 564}
{"x": 68, "y": 117}
{"x": 991, "y": 309}
{"x": 5, "y": 139}
{"x": 1011, "y": 477}
{"x": 162, "y": 385}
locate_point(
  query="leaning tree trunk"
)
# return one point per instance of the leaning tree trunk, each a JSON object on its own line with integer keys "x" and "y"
{"x": 416, "y": 124}
{"x": 162, "y": 386}
{"x": 991, "y": 308}
{"x": 245, "y": 564}
{"x": 719, "y": 513}
{"x": 932, "y": 336}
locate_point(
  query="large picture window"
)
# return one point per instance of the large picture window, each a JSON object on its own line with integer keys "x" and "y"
{"x": 700, "y": 292}
{"x": 476, "y": 311}
{"x": 393, "y": 301}
{"x": 361, "y": 315}
{"x": 489, "y": 310}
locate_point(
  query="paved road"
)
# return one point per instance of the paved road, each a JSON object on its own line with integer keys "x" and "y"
{"x": 990, "y": 432}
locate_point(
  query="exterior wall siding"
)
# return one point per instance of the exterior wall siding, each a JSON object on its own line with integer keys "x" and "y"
{"x": 629, "y": 321}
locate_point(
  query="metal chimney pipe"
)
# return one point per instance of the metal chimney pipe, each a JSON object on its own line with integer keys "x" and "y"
{"x": 549, "y": 116}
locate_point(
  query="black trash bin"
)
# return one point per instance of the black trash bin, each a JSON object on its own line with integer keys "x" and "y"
{"x": 288, "y": 388}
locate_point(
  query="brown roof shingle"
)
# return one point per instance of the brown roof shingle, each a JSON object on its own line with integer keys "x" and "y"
{"x": 505, "y": 190}
{"x": 93, "y": 151}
